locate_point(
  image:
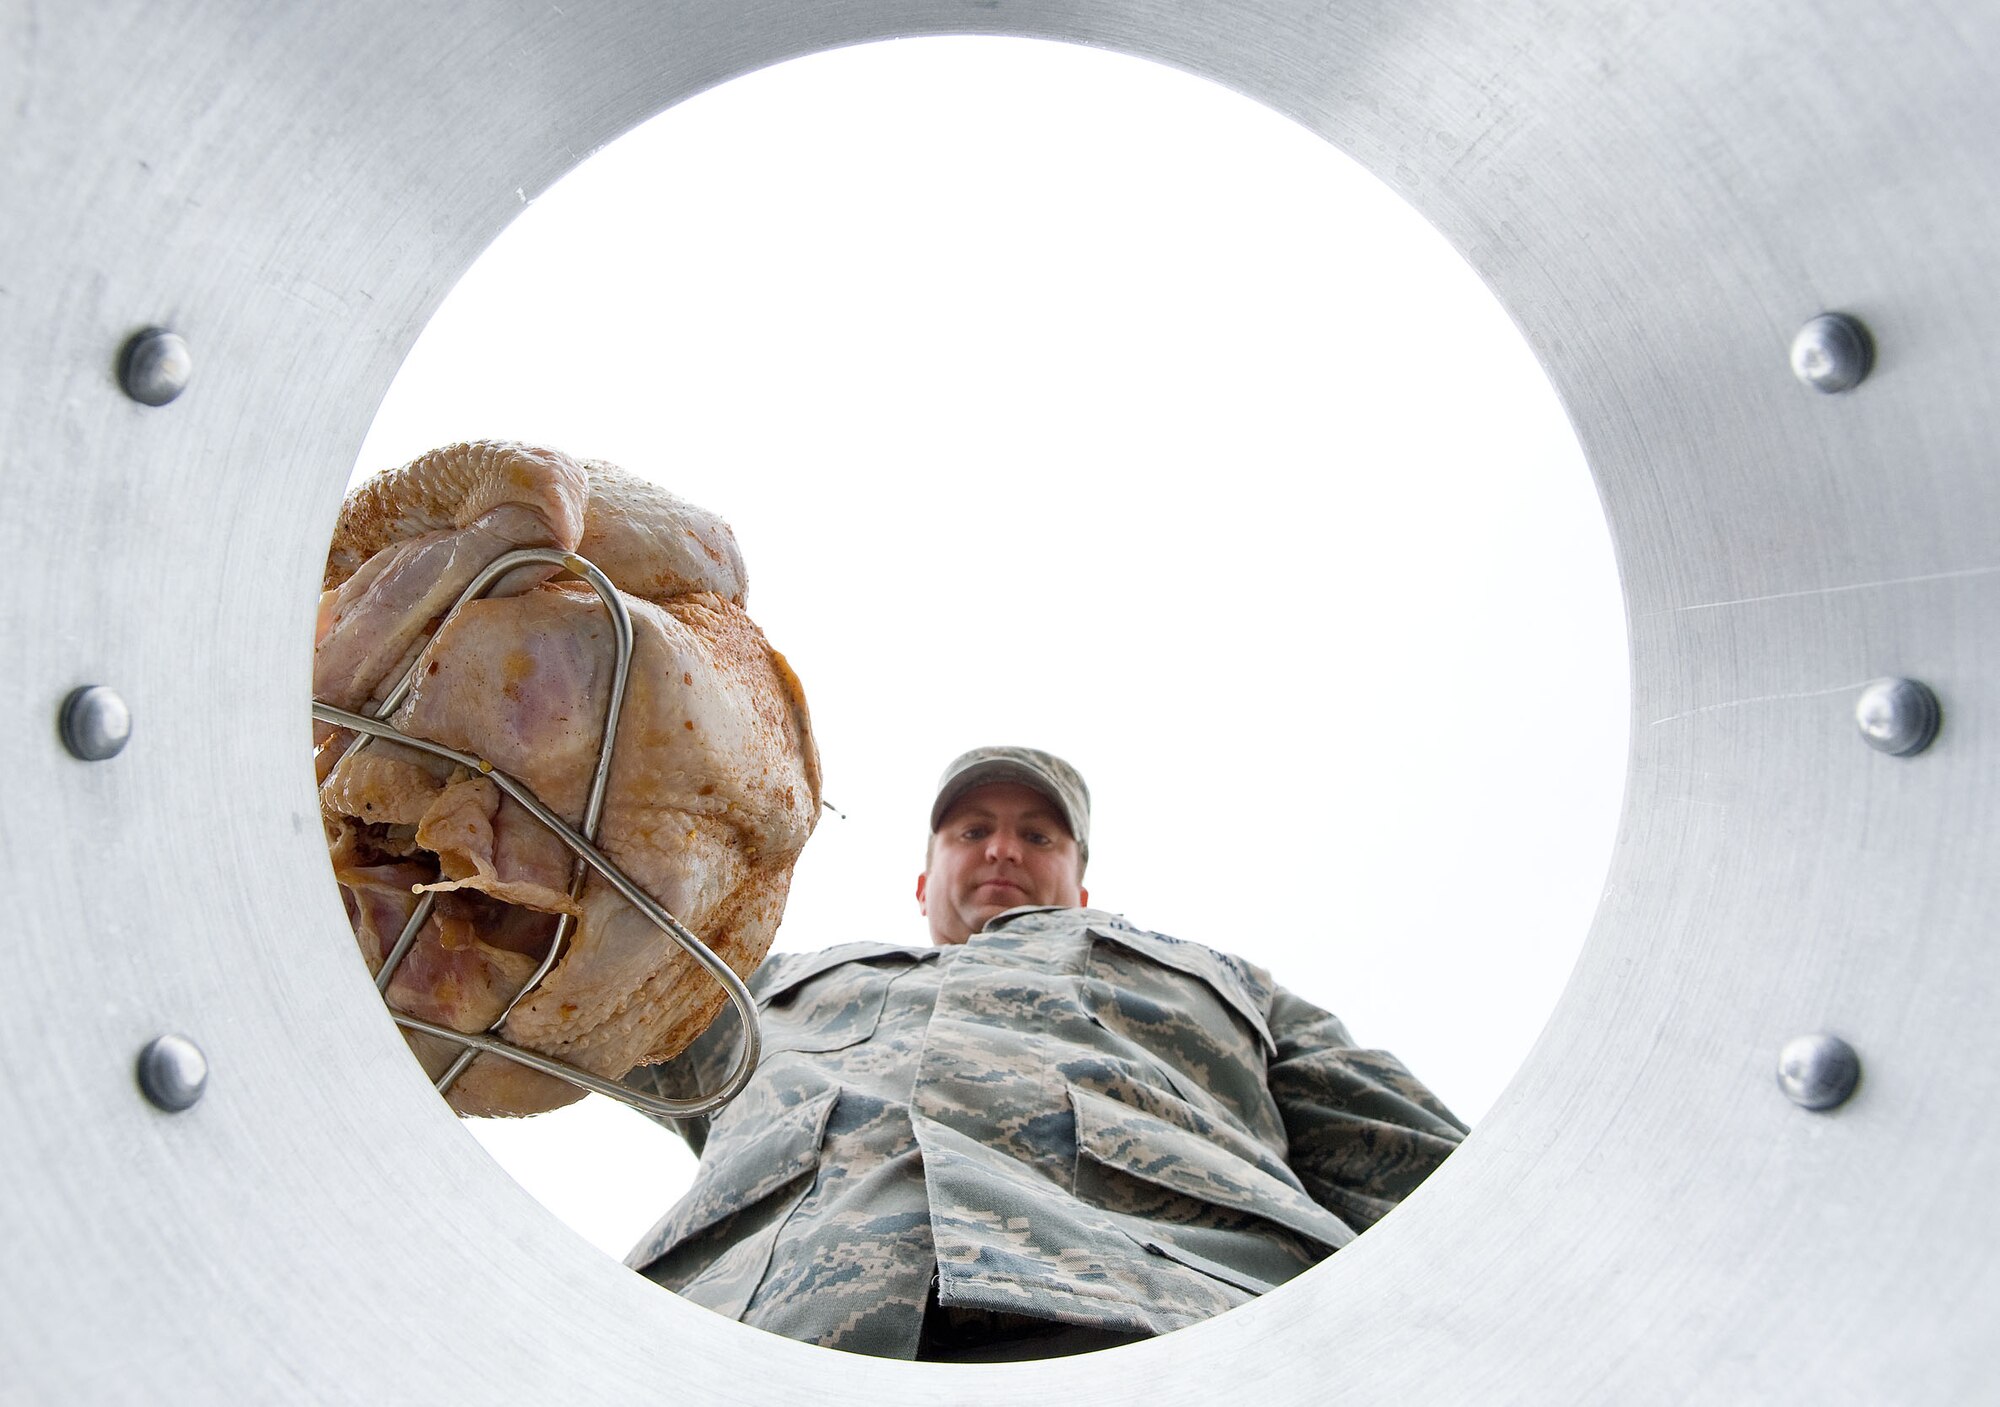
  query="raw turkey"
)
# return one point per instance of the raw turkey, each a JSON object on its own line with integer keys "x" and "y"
{"x": 714, "y": 786}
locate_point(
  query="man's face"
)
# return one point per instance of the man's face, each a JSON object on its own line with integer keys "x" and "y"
{"x": 1000, "y": 846}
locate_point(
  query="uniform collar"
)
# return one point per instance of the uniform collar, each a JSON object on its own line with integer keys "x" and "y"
{"x": 1081, "y": 916}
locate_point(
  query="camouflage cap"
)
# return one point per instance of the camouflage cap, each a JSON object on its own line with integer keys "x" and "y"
{"x": 1031, "y": 767}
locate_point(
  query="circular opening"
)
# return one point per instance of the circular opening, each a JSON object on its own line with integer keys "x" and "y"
{"x": 1062, "y": 398}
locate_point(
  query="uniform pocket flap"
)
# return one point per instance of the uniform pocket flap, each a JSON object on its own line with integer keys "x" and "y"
{"x": 784, "y": 973}
{"x": 739, "y": 1170}
{"x": 1229, "y": 978}
{"x": 840, "y": 1012}
{"x": 1206, "y": 1161}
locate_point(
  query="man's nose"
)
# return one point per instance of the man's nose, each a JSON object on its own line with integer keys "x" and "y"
{"x": 1003, "y": 845}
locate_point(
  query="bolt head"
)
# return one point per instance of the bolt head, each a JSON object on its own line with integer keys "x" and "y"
{"x": 1818, "y": 1071}
{"x": 95, "y": 723}
{"x": 1832, "y": 353}
{"x": 155, "y": 366}
{"x": 173, "y": 1073}
{"x": 1897, "y": 716}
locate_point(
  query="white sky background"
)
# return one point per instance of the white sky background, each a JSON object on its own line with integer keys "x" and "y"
{"x": 1061, "y": 398}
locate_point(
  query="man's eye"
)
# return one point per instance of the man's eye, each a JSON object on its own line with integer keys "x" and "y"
{"x": 1037, "y": 838}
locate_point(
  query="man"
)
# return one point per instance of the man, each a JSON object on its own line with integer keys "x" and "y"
{"x": 1050, "y": 1132}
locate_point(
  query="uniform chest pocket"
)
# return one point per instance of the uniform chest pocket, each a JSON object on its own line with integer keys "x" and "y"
{"x": 825, "y": 1008}
{"x": 716, "y": 1242}
{"x": 1193, "y": 1014}
{"x": 1140, "y": 1164}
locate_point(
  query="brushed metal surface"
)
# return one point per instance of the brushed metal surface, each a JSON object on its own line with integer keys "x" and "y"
{"x": 1661, "y": 193}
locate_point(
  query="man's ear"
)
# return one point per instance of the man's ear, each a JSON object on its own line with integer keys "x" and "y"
{"x": 1082, "y": 897}
{"x": 920, "y": 895}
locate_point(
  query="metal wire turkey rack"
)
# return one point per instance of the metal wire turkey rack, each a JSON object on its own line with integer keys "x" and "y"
{"x": 588, "y": 860}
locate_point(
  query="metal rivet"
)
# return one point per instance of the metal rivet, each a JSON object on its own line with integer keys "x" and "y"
{"x": 173, "y": 1073}
{"x": 155, "y": 366}
{"x": 1897, "y": 716}
{"x": 1818, "y": 1071}
{"x": 1832, "y": 353}
{"x": 95, "y": 723}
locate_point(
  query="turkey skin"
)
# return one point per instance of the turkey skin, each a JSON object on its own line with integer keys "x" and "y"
{"x": 714, "y": 787}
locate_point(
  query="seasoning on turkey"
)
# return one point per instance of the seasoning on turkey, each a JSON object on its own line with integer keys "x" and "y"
{"x": 714, "y": 784}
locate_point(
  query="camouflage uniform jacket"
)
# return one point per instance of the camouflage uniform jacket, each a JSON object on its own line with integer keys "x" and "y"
{"x": 1065, "y": 1117}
